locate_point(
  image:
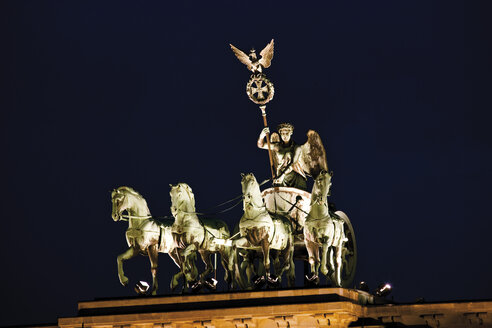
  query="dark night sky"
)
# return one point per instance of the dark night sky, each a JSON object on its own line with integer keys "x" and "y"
{"x": 97, "y": 95}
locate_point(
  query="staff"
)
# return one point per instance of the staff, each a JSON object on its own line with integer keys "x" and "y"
{"x": 263, "y": 113}
{"x": 259, "y": 89}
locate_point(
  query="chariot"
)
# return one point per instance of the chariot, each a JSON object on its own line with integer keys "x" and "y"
{"x": 281, "y": 223}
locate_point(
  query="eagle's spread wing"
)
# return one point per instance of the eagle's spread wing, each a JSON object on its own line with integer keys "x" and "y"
{"x": 267, "y": 55}
{"x": 313, "y": 158}
{"x": 243, "y": 58}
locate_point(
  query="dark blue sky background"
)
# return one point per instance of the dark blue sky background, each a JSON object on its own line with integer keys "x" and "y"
{"x": 96, "y": 95}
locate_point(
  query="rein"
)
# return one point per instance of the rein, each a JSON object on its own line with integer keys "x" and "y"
{"x": 292, "y": 204}
{"x": 125, "y": 217}
{"x": 240, "y": 197}
{"x": 219, "y": 212}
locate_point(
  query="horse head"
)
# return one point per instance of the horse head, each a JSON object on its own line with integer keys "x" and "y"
{"x": 119, "y": 201}
{"x": 182, "y": 198}
{"x": 127, "y": 199}
{"x": 321, "y": 188}
{"x": 251, "y": 191}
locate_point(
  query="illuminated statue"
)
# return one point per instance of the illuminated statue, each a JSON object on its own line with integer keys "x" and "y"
{"x": 206, "y": 236}
{"x": 286, "y": 157}
{"x": 252, "y": 62}
{"x": 293, "y": 162}
{"x": 279, "y": 224}
{"x": 146, "y": 236}
{"x": 325, "y": 230}
{"x": 261, "y": 232}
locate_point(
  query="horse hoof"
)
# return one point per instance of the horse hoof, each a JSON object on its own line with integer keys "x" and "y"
{"x": 211, "y": 283}
{"x": 196, "y": 287}
{"x": 259, "y": 282}
{"x": 334, "y": 281}
{"x": 273, "y": 281}
{"x": 142, "y": 287}
{"x": 124, "y": 281}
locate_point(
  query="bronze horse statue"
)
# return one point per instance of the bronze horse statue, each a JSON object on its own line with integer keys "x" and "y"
{"x": 205, "y": 236}
{"x": 324, "y": 234}
{"x": 262, "y": 232}
{"x": 146, "y": 236}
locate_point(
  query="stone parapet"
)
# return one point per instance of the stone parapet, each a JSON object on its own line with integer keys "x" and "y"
{"x": 294, "y": 308}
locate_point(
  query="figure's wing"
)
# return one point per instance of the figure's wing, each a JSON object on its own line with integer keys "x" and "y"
{"x": 313, "y": 158}
{"x": 267, "y": 55}
{"x": 243, "y": 58}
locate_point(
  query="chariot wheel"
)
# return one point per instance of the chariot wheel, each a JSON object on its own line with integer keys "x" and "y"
{"x": 349, "y": 253}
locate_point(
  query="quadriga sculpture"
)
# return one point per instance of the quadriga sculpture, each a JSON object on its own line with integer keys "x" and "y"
{"x": 324, "y": 230}
{"x": 206, "y": 236}
{"x": 145, "y": 236}
{"x": 261, "y": 232}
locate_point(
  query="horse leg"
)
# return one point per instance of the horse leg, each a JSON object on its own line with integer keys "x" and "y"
{"x": 313, "y": 250}
{"x": 291, "y": 273}
{"x": 131, "y": 252}
{"x": 265, "y": 247}
{"x": 205, "y": 255}
{"x": 331, "y": 269}
{"x": 277, "y": 264}
{"x": 338, "y": 271}
{"x": 324, "y": 256}
{"x": 247, "y": 266}
{"x": 153, "y": 256}
{"x": 179, "y": 263}
{"x": 228, "y": 261}
{"x": 227, "y": 273}
{"x": 191, "y": 272}
{"x": 274, "y": 280}
{"x": 288, "y": 265}
{"x": 175, "y": 280}
{"x": 236, "y": 271}
{"x": 338, "y": 250}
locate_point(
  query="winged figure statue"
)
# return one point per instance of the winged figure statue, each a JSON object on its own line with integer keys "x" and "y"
{"x": 252, "y": 62}
{"x": 294, "y": 162}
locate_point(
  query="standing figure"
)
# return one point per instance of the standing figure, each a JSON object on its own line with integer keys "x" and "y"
{"x": 287, "y": 155}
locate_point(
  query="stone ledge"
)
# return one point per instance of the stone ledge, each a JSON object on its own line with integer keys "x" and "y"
{"x": 225, "y": 296}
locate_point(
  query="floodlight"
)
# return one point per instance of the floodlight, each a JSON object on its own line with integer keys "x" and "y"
{"x": 211, "y": 283}
{"x": 383, "y": 290}
{"x": 142, "y": 287}
{"x": 363, "y": 286}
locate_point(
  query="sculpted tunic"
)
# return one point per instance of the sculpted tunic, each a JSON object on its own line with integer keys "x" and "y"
{"x": 287, "y": 158}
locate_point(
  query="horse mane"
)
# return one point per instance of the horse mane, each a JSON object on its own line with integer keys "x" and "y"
{"x": 134, "y": 193}
{"x": 130, "y": 190}
{"x": 256, "y": 187}
{"x": 316, "y": 188}
{"x": 188, "y": 190}
{"x": 314, "y": 191}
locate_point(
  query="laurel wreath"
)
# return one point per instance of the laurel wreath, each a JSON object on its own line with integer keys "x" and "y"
{"x": 260, "y": 78}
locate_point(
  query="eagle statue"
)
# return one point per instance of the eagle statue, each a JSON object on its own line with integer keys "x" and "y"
{"x": 252, "y": 62}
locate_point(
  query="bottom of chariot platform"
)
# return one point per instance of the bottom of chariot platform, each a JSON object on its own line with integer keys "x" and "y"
{"x": 313, "y": 307}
